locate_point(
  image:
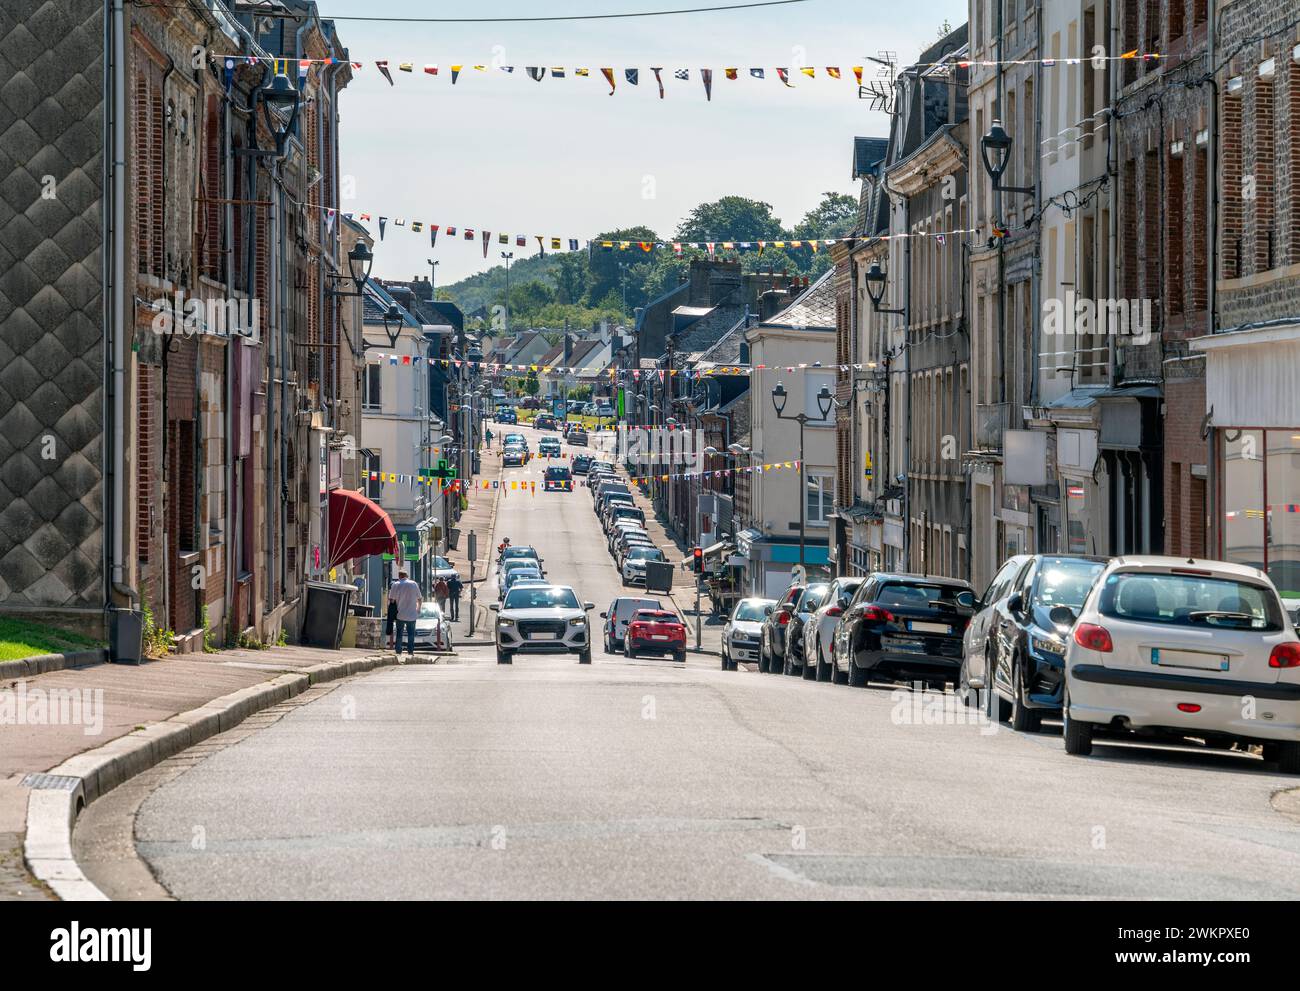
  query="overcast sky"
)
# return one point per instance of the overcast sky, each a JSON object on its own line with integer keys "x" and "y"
{"x": 562, "y": 158}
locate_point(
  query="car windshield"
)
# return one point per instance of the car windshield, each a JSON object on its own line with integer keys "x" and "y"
{"x": 847, "y": 589}
{"x": 1063, "y": 582}
{"x": 513, "y": 552}
{"x": 645, "y": 554}
{"x": 1190, "y": 600}
{"x": 430, "y": 610}
{"x": 750, "y": 612}
{"x": 541, "y": 597}
{"x": 813, "y": 597}
{"x": 921, "y": 594}
{"x": 654, "y": 616}
{"x": 441, "y": 562}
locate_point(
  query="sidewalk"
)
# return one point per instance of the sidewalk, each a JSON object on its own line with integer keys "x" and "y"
{"x": 481, "y": 518}
{"x": 111, "y": 701}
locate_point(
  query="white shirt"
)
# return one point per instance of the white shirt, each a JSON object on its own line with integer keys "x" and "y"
{"x": 407, "y": 596}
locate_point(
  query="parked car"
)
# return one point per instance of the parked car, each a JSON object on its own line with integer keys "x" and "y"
{"x": 1174, "y": 648}
{"x": 743, "y": 631}
{"x": 549, "y": 447}
{"x": 557, "y": 479}
{"x": 1021, "y": 655}
{"x": 576, "y": 437}
{"x": 507, "y": 415}
{"x": 518, "y": 553}
{"x": 582, "y": 464}
{"x": 655, "y": 631}
{"x": 516, "y": 572}
{"x": 441, "y": 568}
{"x": 977, "y": 645}
{"x": 617, "y": 513}
{"x": 514, "y": 456}
{"x": 771, "y": 655}
{"x": 819, "y": 630}
{"x": 604, "y": 410}
{"x": 519, "y": 439}
{"x": 544, "y": 421}
{"x": 544, "y": 619}
{"x": 632, "y": 564}
{"x": 809, "y": 601}
{"x": 432, "y": 629}
{"x": 628, "y": 543}
{"x": 904, "y": 626}
{"x": 618, "y": 615}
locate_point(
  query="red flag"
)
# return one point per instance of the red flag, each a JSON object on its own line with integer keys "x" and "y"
{"x": 609, "y": 78}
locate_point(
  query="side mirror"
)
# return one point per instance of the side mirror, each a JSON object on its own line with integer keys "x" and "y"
{"x": 787, "y": 607}
{"x": 1016, "y": 603}
{"x": 495, "y": 608}
{"x": 587, "y": 606}
{"x": 767, "y": 610}
{"x": 1062, "y": 616}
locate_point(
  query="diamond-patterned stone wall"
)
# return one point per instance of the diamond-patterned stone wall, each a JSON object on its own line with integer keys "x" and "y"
{"x": 51, "y": 333}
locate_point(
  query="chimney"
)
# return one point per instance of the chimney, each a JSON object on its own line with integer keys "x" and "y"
{"x": 771, "y": 303}
{"x": 423, "y": 289}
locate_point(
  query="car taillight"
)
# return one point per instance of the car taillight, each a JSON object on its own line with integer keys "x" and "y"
{"x": 874, "y": 614}
{"x": 1285, "y": 655}
{"x": 782, "y": 618}
{"x": 1188, "y": 707}
{"x": 834, "y": 611}
{"x": 1093, "y": 637}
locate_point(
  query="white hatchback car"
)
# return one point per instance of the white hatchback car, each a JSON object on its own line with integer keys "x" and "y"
{"x": 1183, "y": 648}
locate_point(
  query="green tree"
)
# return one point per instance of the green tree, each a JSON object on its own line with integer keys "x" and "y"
{"x": 834, "y": 216}
{"x": 732, "y": 218}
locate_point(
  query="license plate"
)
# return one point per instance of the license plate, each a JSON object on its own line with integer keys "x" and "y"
{"x": 929, "y": 627}
{"x": 544, "y": 636}
{"x": 658, "y": 636}
{"x": 1188, "y": 659}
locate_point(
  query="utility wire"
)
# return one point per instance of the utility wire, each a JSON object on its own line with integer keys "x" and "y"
{"x": 519, "y": 20}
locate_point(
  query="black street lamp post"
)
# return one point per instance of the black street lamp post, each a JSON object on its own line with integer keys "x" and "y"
{"x": 876, "y": 289}
{"x": 824, "y": 403}
{"x": 995, "y": 150}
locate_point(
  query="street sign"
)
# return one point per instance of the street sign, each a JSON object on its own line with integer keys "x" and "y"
{"x": 443, "y": 470}
{"x": 471, "y": 549}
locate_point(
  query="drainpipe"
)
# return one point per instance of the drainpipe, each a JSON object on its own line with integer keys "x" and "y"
{"x": 117, "y": 304}
{"x": 907, "y": 384}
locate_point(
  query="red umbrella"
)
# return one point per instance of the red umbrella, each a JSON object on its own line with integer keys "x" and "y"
{"x": 358, "y": 527}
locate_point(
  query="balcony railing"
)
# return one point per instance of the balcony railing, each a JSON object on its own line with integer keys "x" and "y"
{"x": 992, "y": 420}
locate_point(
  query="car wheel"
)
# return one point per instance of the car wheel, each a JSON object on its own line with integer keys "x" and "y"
{"x": 1287, "y": 755}
{"x": 1023, "y": 718}
{"x": 809, "y": 669}
{"x": 680, "y": 657}
{"x": 764, "y": 661}
{"x": 628, "y": 651}
{"x": 857, "y": 676}
{"x": 825, "y": 669}
{"x": 585, "y": 656}
{"x": 963, "y": 683}
{"x": 1078, "y": 734}
{"x": 503, "y": 656}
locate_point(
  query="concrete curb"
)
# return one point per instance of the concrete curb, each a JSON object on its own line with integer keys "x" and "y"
{"x": 29, "y": 667}
{"x": 60, "y": 795}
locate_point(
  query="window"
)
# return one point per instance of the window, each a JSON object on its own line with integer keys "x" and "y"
{"x": 372, "y": 392}
{"x": 373, "y": 487}
{"x": 819, "y": 492}
{"x": 813, "y": 382}
{"x": 1190, "y": 599}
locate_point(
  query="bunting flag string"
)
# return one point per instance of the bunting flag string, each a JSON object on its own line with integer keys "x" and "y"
{"x": 718, "y": 472}
{"x": 783, "y": 73}
{"x": 592, "y": 371}
{"x": 559, "y": 242}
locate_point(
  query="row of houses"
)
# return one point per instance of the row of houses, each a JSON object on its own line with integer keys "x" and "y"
{"x": 188, "y": 385}
{"x": 1068, "y": 319}
{"x": 562, "y": 361}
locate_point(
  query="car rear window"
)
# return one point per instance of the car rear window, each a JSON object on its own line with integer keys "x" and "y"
{"x": 921, "y": 594}
{"x": 813, "y": 597}
{"x": 1064, "y": 582}
{"x": 558, "y": 474}
{"x": 654, "y": 616}
{"x": 1190, "y": 600}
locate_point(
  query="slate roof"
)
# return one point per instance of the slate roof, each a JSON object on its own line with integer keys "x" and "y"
{"x": 727, "y": 349}
{"x": 868, "y": 153}
{"x": 813, "y": 309}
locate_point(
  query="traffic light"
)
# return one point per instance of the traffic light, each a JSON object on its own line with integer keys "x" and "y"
{"x": 698, "y": 555}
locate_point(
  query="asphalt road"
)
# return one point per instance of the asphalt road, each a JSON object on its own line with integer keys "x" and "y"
{"x": 650, "y": 779}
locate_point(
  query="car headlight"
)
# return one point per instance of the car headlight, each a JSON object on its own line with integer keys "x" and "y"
{"x": 506, "y": 622}
{"x": 1043, "y": 645}
{"x": 578, "y": 621}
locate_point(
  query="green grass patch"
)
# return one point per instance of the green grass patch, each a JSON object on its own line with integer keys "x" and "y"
{"x": 20, "y": 639}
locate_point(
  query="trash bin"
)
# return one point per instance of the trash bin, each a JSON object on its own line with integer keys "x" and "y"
{"x": 453, "y": 538}
{"x": 126, "y": 637}
{"x": 327, "y": 610}
{"x": 362, "y": 609}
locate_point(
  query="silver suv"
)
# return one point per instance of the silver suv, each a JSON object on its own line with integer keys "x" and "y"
{"x": 542, "y": 619}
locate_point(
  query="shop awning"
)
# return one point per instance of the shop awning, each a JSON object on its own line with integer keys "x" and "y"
{"x": 358, "y": 527}
{"x": 713, "y": 550}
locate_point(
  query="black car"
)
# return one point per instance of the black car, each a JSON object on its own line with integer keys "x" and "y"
{"x": 901, "y": 626}
{"x": 771, "y": 650}
{"x": 1022, "y": 664}
{"x": 557, "y": 479}
{"x": 582, "y": 464}
{"x": 809, "y": 601}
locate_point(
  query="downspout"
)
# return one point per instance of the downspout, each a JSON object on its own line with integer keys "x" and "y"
{"x": 1112, "y": 171}
{"x": 116, "y": 300}
{"x": 907, "y": 384}
{"x": 1212, "y": 528}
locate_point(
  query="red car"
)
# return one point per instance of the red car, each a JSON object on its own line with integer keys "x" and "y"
{"x": 655, "y": 631}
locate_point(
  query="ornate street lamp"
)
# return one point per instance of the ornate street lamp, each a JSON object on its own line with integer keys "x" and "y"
{"x": 280, "y": 101}
{"x": 876, "y": 289}
{"x": 995, "y": 150}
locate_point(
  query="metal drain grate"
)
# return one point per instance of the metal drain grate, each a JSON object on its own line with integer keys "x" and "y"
{"x": 51, "y": 782}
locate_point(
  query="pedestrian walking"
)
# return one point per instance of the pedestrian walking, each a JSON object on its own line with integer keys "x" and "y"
{"x": 390, "y": 621}
{"x": 440, "y": 592}
{"x": 454, "y": 588}
{"x": 405, "y": 595}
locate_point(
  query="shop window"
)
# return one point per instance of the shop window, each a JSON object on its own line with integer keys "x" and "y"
{"x": 1283, "y": 517}
{"x": 1243, "y": 497}
{"x": 1076, "y": 519}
